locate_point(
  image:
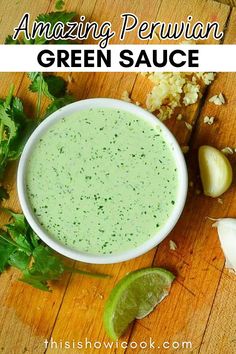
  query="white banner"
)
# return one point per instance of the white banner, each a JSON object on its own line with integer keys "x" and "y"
{"x": 117, "y": 58}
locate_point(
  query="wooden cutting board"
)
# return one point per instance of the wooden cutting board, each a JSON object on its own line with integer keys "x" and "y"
{"x": 202, "y": 304}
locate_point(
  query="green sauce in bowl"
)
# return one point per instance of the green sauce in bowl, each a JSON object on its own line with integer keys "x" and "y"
{"x": 102, "y": 180}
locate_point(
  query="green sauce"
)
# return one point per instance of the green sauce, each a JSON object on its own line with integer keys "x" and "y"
{"x": 102, "y": 180}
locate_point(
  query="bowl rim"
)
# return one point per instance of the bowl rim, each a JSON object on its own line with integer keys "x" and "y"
{"x": 115, "y": 257}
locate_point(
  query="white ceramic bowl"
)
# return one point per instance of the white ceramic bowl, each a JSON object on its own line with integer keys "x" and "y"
{"x": 86, "y": 257}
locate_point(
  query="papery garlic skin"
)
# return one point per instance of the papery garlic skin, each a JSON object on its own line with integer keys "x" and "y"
{"x": 227, "y": 234}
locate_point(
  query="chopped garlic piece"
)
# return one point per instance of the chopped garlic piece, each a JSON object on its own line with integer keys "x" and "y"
{"x": 191, "y": 184}
{"x": 137, "y": 103}
{"x": 220, "y": 201}
{"x": 179, "y": 116}
{"x": 227, "y": 150}
{"x": 188, "y": 126}
{"x": 208, "y": 120}
{"x": 172, "y": 245}
{"x": 125, "y": 96}
{"x": 185, "y": 149}
{"x": 217, "y": 99}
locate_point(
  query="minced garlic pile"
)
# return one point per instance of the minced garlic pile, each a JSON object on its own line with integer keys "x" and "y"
{"x": 173, "y": 90}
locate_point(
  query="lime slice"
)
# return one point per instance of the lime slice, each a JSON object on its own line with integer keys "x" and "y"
{"x": 135, "y": 296}
{"x": 216, "y": 171}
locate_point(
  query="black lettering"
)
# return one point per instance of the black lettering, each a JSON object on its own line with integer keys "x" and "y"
{"x": 215, "y": 27}
{"x": 76, "y": 58}
{"x": 23, "y": 27}
{"x": 106, "y": 59}
{"x": 40, "y": 29}
{"x": 72, "y": 26}
{"x": 125, "y": 55}
{"x": 105, "y": 34}
{"x": 161, "y": 63}
{"x": 50, "y": 59}
{"x": 57, "y": 32}
{"x": 193, "y": 55}
{"x": 62, "y": 57}
{"x": 172, "y": 61}
{"x": 143, "y": 27}
{"x": 143, "y": 59}
{"x": 126, "y": 27}
{"x": 89, "y": 56}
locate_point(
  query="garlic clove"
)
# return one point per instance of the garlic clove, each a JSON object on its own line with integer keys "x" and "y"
{"x": 215, "y": 170}
{"x": 227, "y": 234}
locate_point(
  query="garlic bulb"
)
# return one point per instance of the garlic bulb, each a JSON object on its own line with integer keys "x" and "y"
{"x": 227, "y": 234}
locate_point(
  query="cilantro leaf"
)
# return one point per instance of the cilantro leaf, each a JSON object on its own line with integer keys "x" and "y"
{"x": 19, "y": 259}
{"x": 47, "y": 263}
{"x": 54, "y": 17}
{"x": 37, "y": 281}
{"x": 19, "y": 223}
{"x": 56, "y": 86}
{"x": 6, "y": 250}
{"x": 20, "y": 240}
{"x": 15, "y": 127}
{"x": 17, "y": 145}
{"x": 34, "y": 239}
{"x": 59, "y": 4}
{"x": 38, "y": 84}
{"x": 10, "y": 40}
{"x": 59, "y": 103}
{"x": 24, "y": 126}
{"x": 7, "y": 122}
{"x": 51, "y": 86}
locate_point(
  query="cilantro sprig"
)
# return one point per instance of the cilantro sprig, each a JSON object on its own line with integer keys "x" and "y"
{"x": 52, "y": 87}
{"x": 15, "y": 127}
{"x": 21, "y": 248}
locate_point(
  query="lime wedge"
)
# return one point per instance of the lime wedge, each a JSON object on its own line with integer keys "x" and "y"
{"x": 215, "y": 170}
{"x": 135, "y": 296}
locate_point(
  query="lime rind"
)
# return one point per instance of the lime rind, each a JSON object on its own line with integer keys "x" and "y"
{"x": 135, "y": 296}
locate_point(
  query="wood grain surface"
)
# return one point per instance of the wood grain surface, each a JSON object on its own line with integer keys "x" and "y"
{"x": 202, "y": 304}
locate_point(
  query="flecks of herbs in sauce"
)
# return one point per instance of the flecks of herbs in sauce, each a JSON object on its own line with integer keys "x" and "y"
{"x": 102, "y": 180}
